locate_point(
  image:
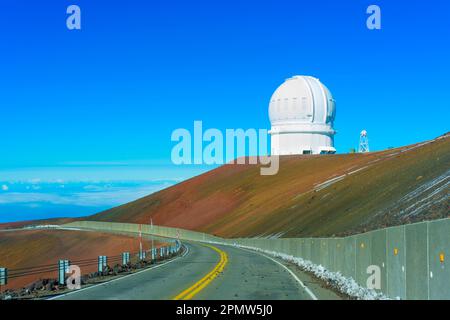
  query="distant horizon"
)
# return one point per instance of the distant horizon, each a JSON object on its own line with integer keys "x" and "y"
{"x": 61, "y": 195}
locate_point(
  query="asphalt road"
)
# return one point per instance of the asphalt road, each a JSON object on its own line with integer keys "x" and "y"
{"x": 221, "y": 272}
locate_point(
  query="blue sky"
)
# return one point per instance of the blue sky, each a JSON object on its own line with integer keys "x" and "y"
{"x": 103, "y": 101}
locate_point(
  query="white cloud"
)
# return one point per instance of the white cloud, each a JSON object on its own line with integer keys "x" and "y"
{"x": 5, "y": 187}
{"x": 108, "y": 197}
{"x": 93, "y": 174}
{"x": 91, "y": 187}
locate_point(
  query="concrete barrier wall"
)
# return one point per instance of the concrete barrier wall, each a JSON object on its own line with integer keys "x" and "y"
{"x": 396, "y": 252}
{"x": 417, "y": 261}
{"x": 364, "y": 257}
{"x": 438, "y": 259}
{"x": 166, "y": 232}
{"x": 413, "y": 260}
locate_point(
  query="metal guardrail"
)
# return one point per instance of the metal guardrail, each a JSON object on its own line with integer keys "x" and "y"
{"x": 165, "y": 232}
{"x": 60, "y": 268}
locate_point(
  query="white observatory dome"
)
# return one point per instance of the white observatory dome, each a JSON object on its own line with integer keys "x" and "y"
{"x": 301, "y": 113}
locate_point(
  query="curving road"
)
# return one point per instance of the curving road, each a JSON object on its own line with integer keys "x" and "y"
{"x": 205, "y": 272}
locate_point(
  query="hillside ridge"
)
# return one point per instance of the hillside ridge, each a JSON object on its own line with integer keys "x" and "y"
{"x": 314, "y": 195}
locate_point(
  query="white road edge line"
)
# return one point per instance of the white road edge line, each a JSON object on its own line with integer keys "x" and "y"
{"x": 308, "y": 291}
{"x": 120, "y": 278}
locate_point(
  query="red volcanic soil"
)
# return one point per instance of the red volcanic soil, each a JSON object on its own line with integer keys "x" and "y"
{"x": 24, "y": 249}
{"x": 302, "y": 199}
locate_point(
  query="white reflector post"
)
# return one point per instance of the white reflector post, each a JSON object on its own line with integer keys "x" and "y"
{"x": 62, "y": 272}
{"x": 102, "y": 262}
{"x": 125, "y": 258}
{"x": 142, "y": 257}
{"x": 3, "y": 276}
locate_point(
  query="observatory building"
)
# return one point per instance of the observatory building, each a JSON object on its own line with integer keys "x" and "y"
{"x": 301, "y": 113}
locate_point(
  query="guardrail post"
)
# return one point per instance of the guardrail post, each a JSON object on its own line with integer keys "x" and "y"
{"x": 125, "y": 258}
{"x": 3, "y": 276}
{"x": 141, "y": 255}
{"x": 102, "y": 262}
{"x": 63, "y": 266}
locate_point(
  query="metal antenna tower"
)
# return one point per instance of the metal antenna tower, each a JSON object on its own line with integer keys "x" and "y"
{"x": 363, "y": 142}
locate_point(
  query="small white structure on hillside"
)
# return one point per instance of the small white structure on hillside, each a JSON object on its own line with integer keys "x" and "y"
{"x": 302, "y": 112}
{"x": 363, "y": 142}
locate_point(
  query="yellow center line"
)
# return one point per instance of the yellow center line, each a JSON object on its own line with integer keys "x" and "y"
{"x": 190, "y": 292}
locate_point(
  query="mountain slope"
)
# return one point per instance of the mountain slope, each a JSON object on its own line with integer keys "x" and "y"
{"x": 320, "y": 195}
